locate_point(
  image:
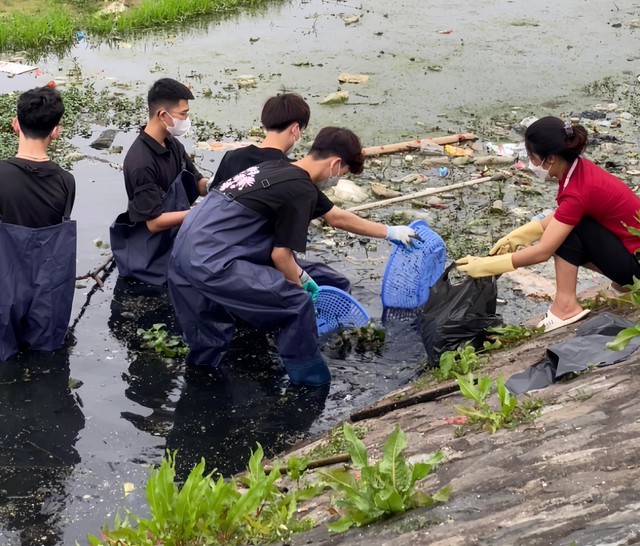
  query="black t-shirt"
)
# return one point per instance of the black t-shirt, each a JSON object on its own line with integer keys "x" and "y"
{"x": 36, "y": 198}
{"x": 289, "y": 201}
{"x": 236, "y": 161}
{"x": 149, "y": 170}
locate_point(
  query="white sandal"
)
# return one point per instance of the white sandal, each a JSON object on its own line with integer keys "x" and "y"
{"x": 551, "y": 322}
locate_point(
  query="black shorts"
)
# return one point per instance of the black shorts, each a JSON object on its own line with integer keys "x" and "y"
{"x": 590, "y": 242}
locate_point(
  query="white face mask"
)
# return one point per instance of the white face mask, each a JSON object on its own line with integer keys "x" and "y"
{"x": 331, "y": 181}
{"x": 180, "y": 126}
{"x": 539, "y": 171}
{"x": 296, "y": 142}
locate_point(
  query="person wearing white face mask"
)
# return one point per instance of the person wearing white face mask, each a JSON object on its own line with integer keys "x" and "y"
{"x": 284, "y": 118}
{"x": 234, "y": 256}
{"x": 588, "y": 228}
{"x": 161, "y": 183}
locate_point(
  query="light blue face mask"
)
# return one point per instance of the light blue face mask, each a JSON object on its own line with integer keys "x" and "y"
{"x": 331, "y": 181}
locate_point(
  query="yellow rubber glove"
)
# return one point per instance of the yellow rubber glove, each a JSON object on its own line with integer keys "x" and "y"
{"x": 522, "y": 236}
{"x": 485, "y": 267}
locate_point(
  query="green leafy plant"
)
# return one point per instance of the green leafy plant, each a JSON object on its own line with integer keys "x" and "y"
{"x": 462, "y": 361}
{"x": 381, "y": 489}
{"x": 508, "y": 335}
{"x": 481, "y": 415}
{"x": 337, "y": 442}
{"x": 208, "y": 511}
{"x": 158, "y": 339}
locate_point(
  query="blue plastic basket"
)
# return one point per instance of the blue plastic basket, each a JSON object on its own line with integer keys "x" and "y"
{"x": 335, "y": 308}
{"x": 410, "y": 273}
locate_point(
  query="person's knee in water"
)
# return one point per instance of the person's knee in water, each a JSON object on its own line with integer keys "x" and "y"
{"x": 234, "y": 255}
{"x": 161, "y": 183}
{"x": 589, "y": 225}
{"x": 37, "y": 236}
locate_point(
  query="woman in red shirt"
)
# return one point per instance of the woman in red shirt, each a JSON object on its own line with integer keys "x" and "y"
{"x": 588, "y": 228}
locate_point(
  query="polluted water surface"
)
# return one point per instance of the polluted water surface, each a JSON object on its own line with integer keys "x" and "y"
{"x": 77, "y": 427}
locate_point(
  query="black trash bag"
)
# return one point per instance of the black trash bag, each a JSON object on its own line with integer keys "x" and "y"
{"x": 456, "y": 314}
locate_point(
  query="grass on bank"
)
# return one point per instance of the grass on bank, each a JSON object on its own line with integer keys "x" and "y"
{"x": 40, "y": 25}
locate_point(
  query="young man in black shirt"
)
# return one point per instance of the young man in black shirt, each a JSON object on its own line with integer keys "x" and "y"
{"x": 161, "y": 182}
{"x": 37, "y": 239}
{"x": 234, "y": 256}
{"x": 284, "y": 118}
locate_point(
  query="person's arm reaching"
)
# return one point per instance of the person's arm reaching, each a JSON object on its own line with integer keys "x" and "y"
{"x": 343, "y": 219}
{"x": 166, "y": 220}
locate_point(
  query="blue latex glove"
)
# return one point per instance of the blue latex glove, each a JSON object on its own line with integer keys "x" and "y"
{"x": 309, "y": 285}
{"x": 402, "y": 236}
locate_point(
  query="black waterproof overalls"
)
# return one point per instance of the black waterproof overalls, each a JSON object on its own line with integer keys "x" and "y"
{"x": 221, "y": 267}
{"x": 37, "y": 282}
{"x": 140, "y": 254}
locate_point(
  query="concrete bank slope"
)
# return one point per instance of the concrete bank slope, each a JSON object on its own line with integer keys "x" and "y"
{"x": 572, "y": 477}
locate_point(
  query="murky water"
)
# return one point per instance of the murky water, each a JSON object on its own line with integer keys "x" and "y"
{"x": 67, "y": 452}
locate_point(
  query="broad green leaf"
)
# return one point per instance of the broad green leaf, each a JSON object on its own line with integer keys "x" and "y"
{"x": 420, "y": 498}
{"x": 392, "y": 463}
{"x": 341, "y": 525}
{"x": 443, "y": 494}
{"x": 469, "y": 412}
{"x": 623, "y": 338}
{"x": 389, "y": 501}
{"x": 467, "y": 388}
{"x": 484, "y": 387}
{"x": 357, "y": 451}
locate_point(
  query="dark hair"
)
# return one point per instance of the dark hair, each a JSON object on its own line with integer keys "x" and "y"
{"x": 39, "y": 112}
{"x": 166, "y": 93}
{"x": 335, "y": 141}
{"x": 552, "y": 136}
{"x": 282, "y": 110}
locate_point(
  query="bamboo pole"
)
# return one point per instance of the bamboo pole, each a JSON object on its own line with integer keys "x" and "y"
{"x": 425, "y": 193}
{"x": 421, "y": 398}
{"x": 412, "y": 144}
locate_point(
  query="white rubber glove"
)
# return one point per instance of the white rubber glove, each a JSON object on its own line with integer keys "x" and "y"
{"x": 402, "y": 235}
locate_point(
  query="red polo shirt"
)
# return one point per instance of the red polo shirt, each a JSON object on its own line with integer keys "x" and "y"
{"x": 592, "y": 191}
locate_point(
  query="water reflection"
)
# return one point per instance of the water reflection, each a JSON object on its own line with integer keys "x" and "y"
{"x": 40, "y": 418}
{"x": 216, "y": 414}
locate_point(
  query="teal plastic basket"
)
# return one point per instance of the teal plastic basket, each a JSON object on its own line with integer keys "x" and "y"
{"x": 410, "y": 273}
{"x": 336, "y": 309}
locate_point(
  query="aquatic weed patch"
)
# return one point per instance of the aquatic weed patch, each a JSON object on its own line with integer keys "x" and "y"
{"x": 84, "y": 107}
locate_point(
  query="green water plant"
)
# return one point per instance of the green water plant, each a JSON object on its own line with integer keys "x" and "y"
{"x": 509, "y": 335}
{"x": 208, "y": 510}
{"x": 462, "y": 361}
{"x": 158, "y": 339}
{"x": 336, "y": 443}
{"x": 375, "y": 491}
{"x": 510, "y": 413}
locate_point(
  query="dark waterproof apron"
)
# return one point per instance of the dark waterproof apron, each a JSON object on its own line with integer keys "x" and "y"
{"x": 221, "y": 267}
{"x": 37, "y": 282}
{"x": 140, "y": 254}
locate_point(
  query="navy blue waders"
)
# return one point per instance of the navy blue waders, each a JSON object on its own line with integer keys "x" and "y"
{"x": 221, "y": 268}
{"x": 37, "y": 282}
{"x": 140, "y": 254}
